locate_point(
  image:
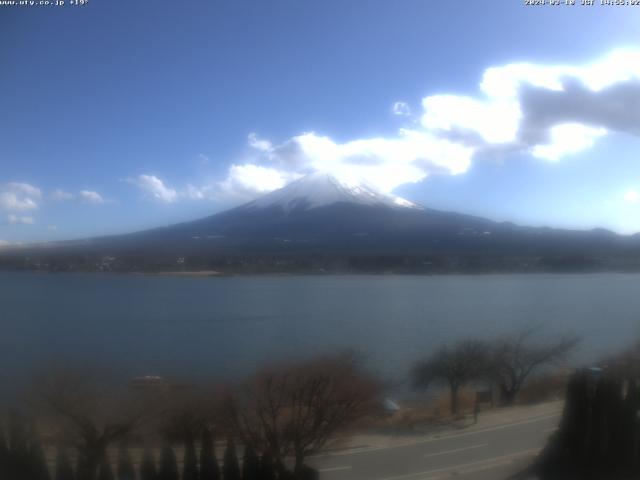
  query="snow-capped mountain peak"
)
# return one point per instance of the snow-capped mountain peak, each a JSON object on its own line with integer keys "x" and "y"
{"x": 323, "y": 189}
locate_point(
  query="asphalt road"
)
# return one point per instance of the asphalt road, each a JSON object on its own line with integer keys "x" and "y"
{"x": 491, "y": 453}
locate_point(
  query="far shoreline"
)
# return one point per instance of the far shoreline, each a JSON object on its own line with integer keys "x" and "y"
{"x": 221, "y": 274}
{"x": 194, "y": 273}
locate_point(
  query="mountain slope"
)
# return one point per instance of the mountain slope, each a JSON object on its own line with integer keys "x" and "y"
{"x": 318, "y": 212}
{"x": 322, "y": 189}
{"x": 319, "y": 215}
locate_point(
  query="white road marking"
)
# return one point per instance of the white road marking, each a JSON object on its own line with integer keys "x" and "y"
{"x": 465, "y": 467}
{"x": 456, "y": 450}
{"x": 442, "y": 437}
{"x": 334, "y": 469}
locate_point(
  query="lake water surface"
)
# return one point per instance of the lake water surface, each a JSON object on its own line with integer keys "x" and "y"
{"x": 224, "y": 327}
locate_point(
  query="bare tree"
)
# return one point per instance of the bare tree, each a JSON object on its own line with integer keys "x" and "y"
{"x": 91, "y": 412}
{"x": 185, "y": 416}
{"x": 515, "y": 358}
{"x": 293, "y": 411}
{"x": 455, "y": 365}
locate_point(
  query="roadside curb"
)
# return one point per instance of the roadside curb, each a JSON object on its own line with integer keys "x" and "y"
{"x": 386, "y": 442}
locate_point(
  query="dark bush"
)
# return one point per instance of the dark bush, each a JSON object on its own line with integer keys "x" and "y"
{"x": 105, "y": 472}
{"x": 230, "y": 467}
{"x": 148, "y": 469}
{"x": 209, "y": 468}
{"x": 4, "y": 454}
{"x": 63, "y": 471}
{"x": 267, "y": 467}
{"x": 37, "y": 461}
{"x": 168, "y": 464}
{"x": 190, "y": 464}
{"x": 599, "y": 431}
{"x": 126, "y": 470}
{"x": 250, "y": 464}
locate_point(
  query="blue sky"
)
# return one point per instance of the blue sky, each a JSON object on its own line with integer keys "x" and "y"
{"x": 121, "y": 115}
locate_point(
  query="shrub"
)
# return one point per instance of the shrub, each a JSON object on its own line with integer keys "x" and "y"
{"x": 168, "y": 464}
{"x": 209, "y": 468}
{"x": 230, "y": 468}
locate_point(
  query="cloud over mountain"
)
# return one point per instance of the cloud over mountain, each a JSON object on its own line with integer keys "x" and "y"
{"x": 546, "y": 111}
{"x": 155, "y": 188}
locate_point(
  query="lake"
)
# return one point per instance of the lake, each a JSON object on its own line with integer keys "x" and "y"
{"x": 226, "y": 327}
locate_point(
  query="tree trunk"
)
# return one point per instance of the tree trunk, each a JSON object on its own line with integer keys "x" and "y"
{"x": 454, "y": 399}
{"x": 298, "y": 468}
{"x": 507, "y": 396}
{"x": 90, "y": 456}
{"x": 281, "y": 469}
{"x": 88, "y": 465}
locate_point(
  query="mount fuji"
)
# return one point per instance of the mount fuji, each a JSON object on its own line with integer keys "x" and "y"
{"x": 315, "y": 212}
{"x": 321, "y": 190}
{"x": 320, "y": 216}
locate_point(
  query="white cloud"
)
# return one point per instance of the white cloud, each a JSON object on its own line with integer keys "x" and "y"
{"x": 4, "y": 243}
{"x": 530, "y": 106}
{"x": 155, "y": 188}
{"x": 89, "y": 196}
{"x": 62, "y": 196}
{"x": 197, "y": 193}
{"x": 507, "y": 81}
{"x": 546, "y": 111}
{"x": 243, "y": 182}
{"x": 23, "y": 189}
{"x": 384, "y": 163}
{"x": 248, "y": 180}
{"x": 16, "y": 196}
{"x": 259, "y": 144}
{"x": 19, "y": 220}
{"x": 632, "y": 196}
{"x": 84, "y": 196}
{"x": 203, "y": 159}
{"x": 495, "y": 121}
{"x": 401, "y": 109}
{"x": 567, "y": 139}
{"x": 11, "y": 201}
